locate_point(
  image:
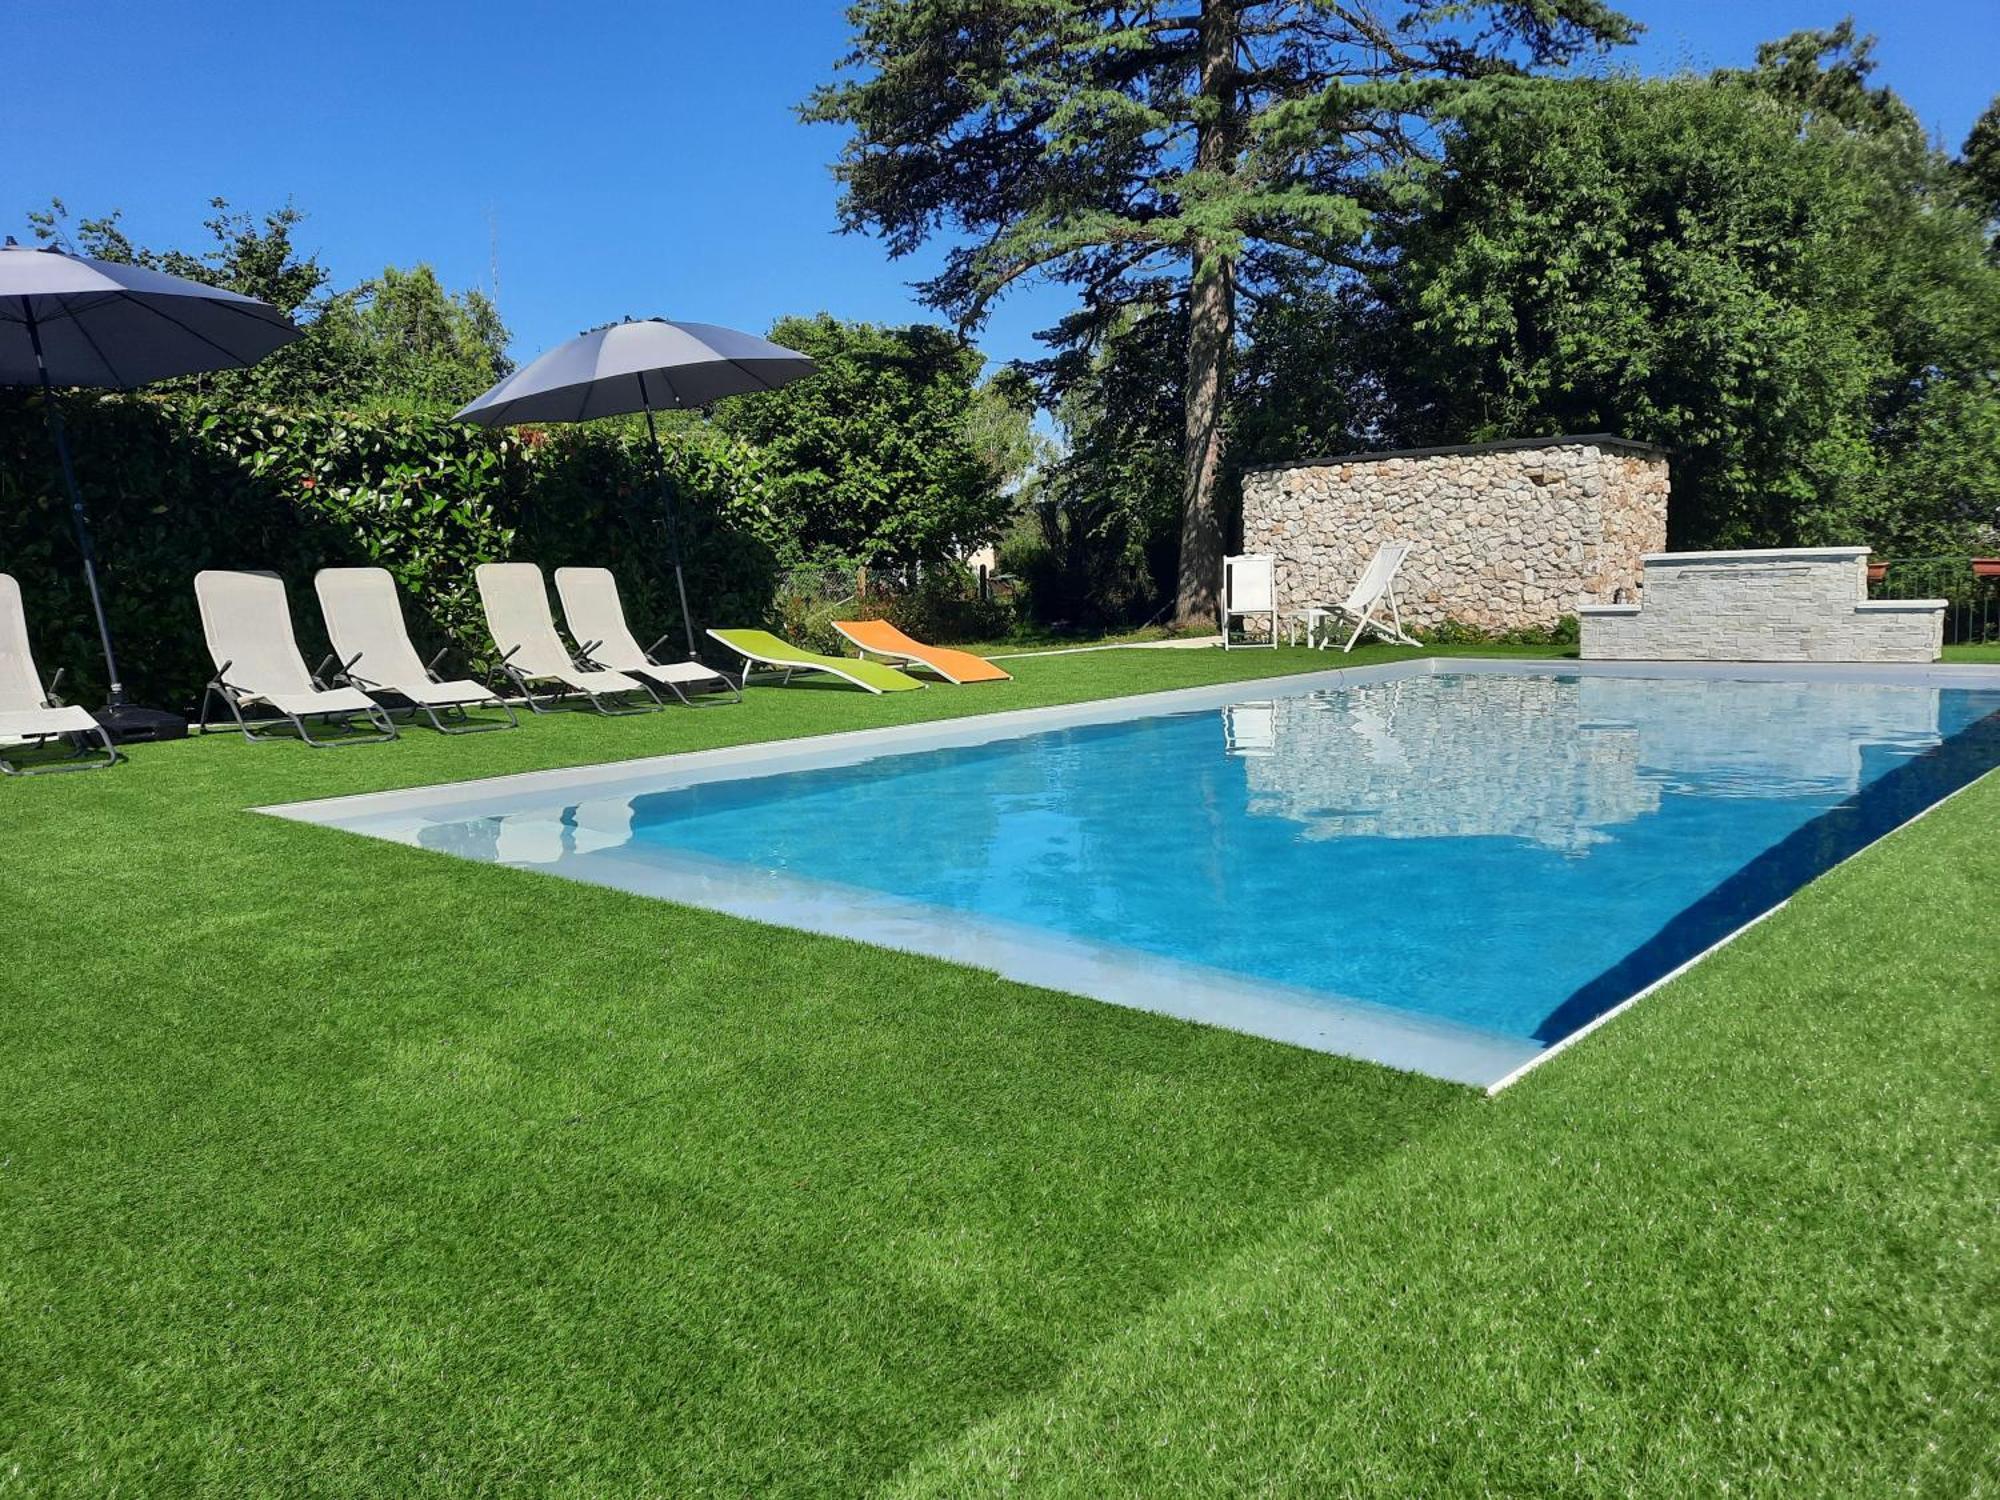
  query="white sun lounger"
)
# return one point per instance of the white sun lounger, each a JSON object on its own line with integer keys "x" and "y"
{"x": 596, "y": 619}
{"x": 248, "y": 626}
{"x": 1249, "y": 590}
{"x": 517, "y": 614}
{"x": 1378, "y": 582}
{"x": 372, "y": 651}
{"x": 31, "y": 716}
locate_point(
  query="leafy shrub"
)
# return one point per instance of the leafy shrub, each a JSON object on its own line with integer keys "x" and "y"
{"x": 174, "y": 487}
{"x": 894, "y": 452}
{"x": 945, "y": 606}
{"x": 1565, "y": 632}
{"x": 807, "y": 621}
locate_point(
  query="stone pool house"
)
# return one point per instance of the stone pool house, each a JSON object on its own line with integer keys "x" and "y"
{"x": 1505, "y": 535}
{"x": 1515, "y": 534}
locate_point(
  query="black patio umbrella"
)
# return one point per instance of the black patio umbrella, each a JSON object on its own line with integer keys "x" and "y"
{"x": 643, "y": 365}
{"x": 68, "y": 320}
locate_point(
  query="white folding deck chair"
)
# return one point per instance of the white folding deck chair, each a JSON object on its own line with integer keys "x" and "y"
{"x": 1249, "y": 588}
{"x": 517, "y": 615}
{"x": 596, "y": 619}
{"x": 248, "y": 626}
{"x": 1378, "y": 582}
{"x": 372, "y": 651}
{"x": 29, "y": 715}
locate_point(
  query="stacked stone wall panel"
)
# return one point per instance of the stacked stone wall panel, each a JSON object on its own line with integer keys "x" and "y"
{"x": 1798, "y": 604}
{"x": 1501, "y": 538}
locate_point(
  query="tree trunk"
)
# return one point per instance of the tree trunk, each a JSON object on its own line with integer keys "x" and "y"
{"x": 1211, "y": 332}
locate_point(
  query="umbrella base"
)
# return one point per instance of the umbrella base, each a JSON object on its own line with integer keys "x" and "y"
{"x": 129, "y": 724}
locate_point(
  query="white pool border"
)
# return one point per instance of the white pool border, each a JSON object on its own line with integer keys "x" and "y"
{"x": 1377, "y": 1033}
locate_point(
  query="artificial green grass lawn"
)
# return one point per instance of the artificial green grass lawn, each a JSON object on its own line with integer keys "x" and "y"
{"x": 335, "y": 1166}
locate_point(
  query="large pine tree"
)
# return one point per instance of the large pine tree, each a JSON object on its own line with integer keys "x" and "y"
{"x": 1104, "y": 144}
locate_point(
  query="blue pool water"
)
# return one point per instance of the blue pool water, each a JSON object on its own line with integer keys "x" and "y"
{"x": 1501, "y": 857}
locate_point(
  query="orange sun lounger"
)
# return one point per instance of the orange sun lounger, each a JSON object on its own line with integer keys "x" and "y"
{"x": 880, "y": 638}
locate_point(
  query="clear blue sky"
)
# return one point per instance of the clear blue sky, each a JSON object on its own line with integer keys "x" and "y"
{"x": 609, "y": 159}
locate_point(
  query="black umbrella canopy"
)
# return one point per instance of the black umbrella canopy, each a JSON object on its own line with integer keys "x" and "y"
{"x": 69, "y": 320}
{"x": 116, "y": 327}
{"x": 645, "y": 364}
{"x": 641, "y": 365}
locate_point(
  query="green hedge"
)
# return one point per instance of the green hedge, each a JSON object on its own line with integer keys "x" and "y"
{"x": 173, "y": 488}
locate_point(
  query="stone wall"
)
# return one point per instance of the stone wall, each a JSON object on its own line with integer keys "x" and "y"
{"x": 1503, "y": 536}
{"x": 1786, "y": 604}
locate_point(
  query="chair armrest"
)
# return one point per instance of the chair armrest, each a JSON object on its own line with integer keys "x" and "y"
{"x": 498, "y": 666}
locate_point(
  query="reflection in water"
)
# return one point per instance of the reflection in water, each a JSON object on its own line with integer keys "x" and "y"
{"x": 537, "y": 837}
{"x": 1556, "y": 761}
{"x": 1250, "y": 729}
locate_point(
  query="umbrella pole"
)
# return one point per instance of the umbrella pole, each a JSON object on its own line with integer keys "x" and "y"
{"x": 667, "y": 503}
{"x": 53, "y": 411}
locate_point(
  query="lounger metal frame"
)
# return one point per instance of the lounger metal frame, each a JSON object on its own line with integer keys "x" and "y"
{"x": 238, "y": 699}
{"x": 412, "y": 706}
{"x": 521, "y": 681}
{"x": 78, "y": 738}
{"x": 638, "y": 674}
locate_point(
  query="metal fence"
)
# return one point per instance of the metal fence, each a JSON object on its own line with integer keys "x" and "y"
{"x": 1969, "y": 585}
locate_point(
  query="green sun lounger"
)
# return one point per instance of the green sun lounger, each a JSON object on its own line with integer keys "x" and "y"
{"x": 761, "y": 648}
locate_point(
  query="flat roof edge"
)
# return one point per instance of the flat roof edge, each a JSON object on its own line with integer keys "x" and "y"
{"x": 1609, "y": 440}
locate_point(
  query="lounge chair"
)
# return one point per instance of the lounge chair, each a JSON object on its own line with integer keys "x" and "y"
{"x": 596, "y": 619}
{"x": 31, "y": 716}
{"x": 884, "y": 639}
{"x": 1378, "y": 582}
{"x": 1249, "y": 589}
{"x": 761, "y": 648}
{"x": 372, "y": 651}
{"x": 517, "y": 614}
{"x": 248, "y": 626}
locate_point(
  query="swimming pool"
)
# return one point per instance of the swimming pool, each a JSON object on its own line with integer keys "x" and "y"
{"x": 1444, "y": 866}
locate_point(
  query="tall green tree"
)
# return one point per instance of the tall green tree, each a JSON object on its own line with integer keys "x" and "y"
{"x": 894, "y": 452}
{"x": 1106, "y": 145}
{"x": 1979, "y": 161}
{"x": 399, "y": 341}
{"x": 1771, "y": 276}
{"x": 407, "y": 343}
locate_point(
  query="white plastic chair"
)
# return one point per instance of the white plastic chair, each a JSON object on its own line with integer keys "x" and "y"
{"x": 1249, "y": 589}
{"x": 1378, "y": 582}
